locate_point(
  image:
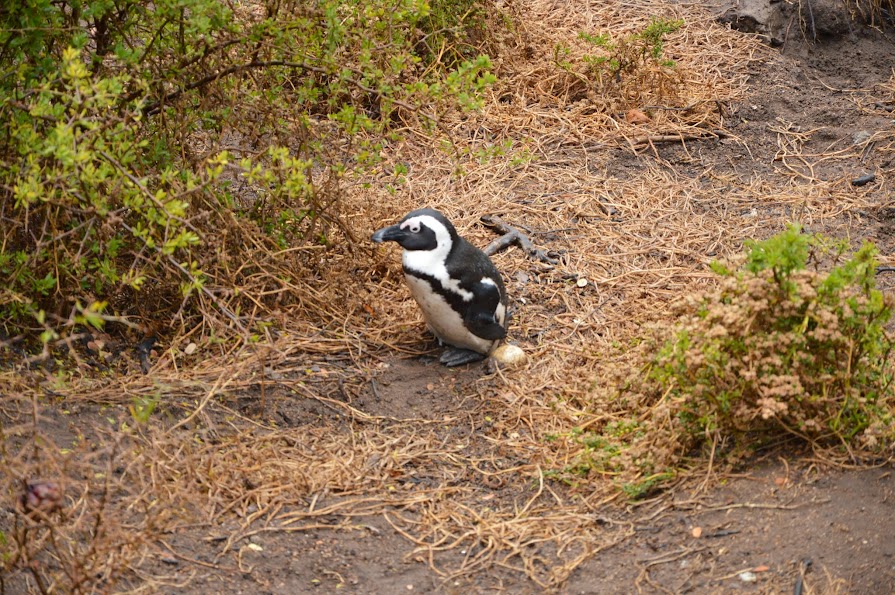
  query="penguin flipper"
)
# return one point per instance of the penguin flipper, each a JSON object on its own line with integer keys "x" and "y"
{"x": 480, "y": 317}
{"x": 484, "y": 325}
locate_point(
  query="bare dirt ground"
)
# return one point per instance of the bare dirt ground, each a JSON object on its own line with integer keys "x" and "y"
{"x": 324, "y": 462}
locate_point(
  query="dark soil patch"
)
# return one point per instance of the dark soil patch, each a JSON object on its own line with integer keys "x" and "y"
{"x": 774, "y": 518}
{"x": 767, "y": 521}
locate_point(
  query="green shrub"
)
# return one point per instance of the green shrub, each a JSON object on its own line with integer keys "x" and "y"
{"x": 625, "y": 69}
{"x": 453, "y": 30}
{"x": 116, "y": 193}
{"x": 778, "y": 348}
{"x": 632, "y": 53}
{"x": 782, "y": 347}
{"x": 80, "y": 207}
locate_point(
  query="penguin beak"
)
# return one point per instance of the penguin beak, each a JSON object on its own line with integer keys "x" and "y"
{"x": 392, "y": 233}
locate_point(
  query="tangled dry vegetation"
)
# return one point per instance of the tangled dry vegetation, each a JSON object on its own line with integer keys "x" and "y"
{"x": 195, "y": 443}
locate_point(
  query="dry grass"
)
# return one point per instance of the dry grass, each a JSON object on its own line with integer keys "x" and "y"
{"x": 640, "y": 235}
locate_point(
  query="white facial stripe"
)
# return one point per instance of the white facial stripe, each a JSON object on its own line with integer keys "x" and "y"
{"x": 431, "y": 262}
{"x": 488, "y": 281}
{"x": 413, "y": 224}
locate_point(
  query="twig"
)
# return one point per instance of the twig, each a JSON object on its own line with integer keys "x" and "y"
{"x": 752, "y": 505}
{"x": 722, "y": 533}
{"x": 512, "y": 236}
{"x": 673, "y": 138}
{"x": 663, "y": 559}
{"x": 804, "y": 566}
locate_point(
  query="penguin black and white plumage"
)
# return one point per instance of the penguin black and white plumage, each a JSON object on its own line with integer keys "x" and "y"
{"x": 456, "y": 285}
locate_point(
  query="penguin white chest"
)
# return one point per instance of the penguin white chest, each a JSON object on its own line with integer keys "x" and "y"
{"x": 445, "y": 322}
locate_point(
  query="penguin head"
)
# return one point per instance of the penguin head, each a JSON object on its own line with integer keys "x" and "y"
{"x": 423, "y": 229}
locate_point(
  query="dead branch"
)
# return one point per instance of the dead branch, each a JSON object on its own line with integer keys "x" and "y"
{"x": 511, "y": 236}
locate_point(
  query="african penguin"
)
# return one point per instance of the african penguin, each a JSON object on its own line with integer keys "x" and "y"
{"x": 455, "y": 284}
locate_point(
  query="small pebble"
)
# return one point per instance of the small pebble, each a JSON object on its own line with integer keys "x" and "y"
{"x": 861, "y": 136}
{"x": 863, "y": 180}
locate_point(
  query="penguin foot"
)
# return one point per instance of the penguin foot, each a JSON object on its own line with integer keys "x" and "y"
{"x": 454, "y": 356}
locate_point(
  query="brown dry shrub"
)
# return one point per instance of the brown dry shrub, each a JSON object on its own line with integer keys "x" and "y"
{"x": 773, "y": 350}
{"x": 78, "y": 517}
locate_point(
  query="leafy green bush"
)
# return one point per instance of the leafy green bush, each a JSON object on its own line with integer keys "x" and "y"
{"x": 83, "y": 221}
{"x": 631, "y": 53}
{"x": 782, "y": 347}
{"x": 117, "y": 193}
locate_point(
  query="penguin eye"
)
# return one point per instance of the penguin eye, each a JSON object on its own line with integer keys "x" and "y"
{"x": 414, "y": 227}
